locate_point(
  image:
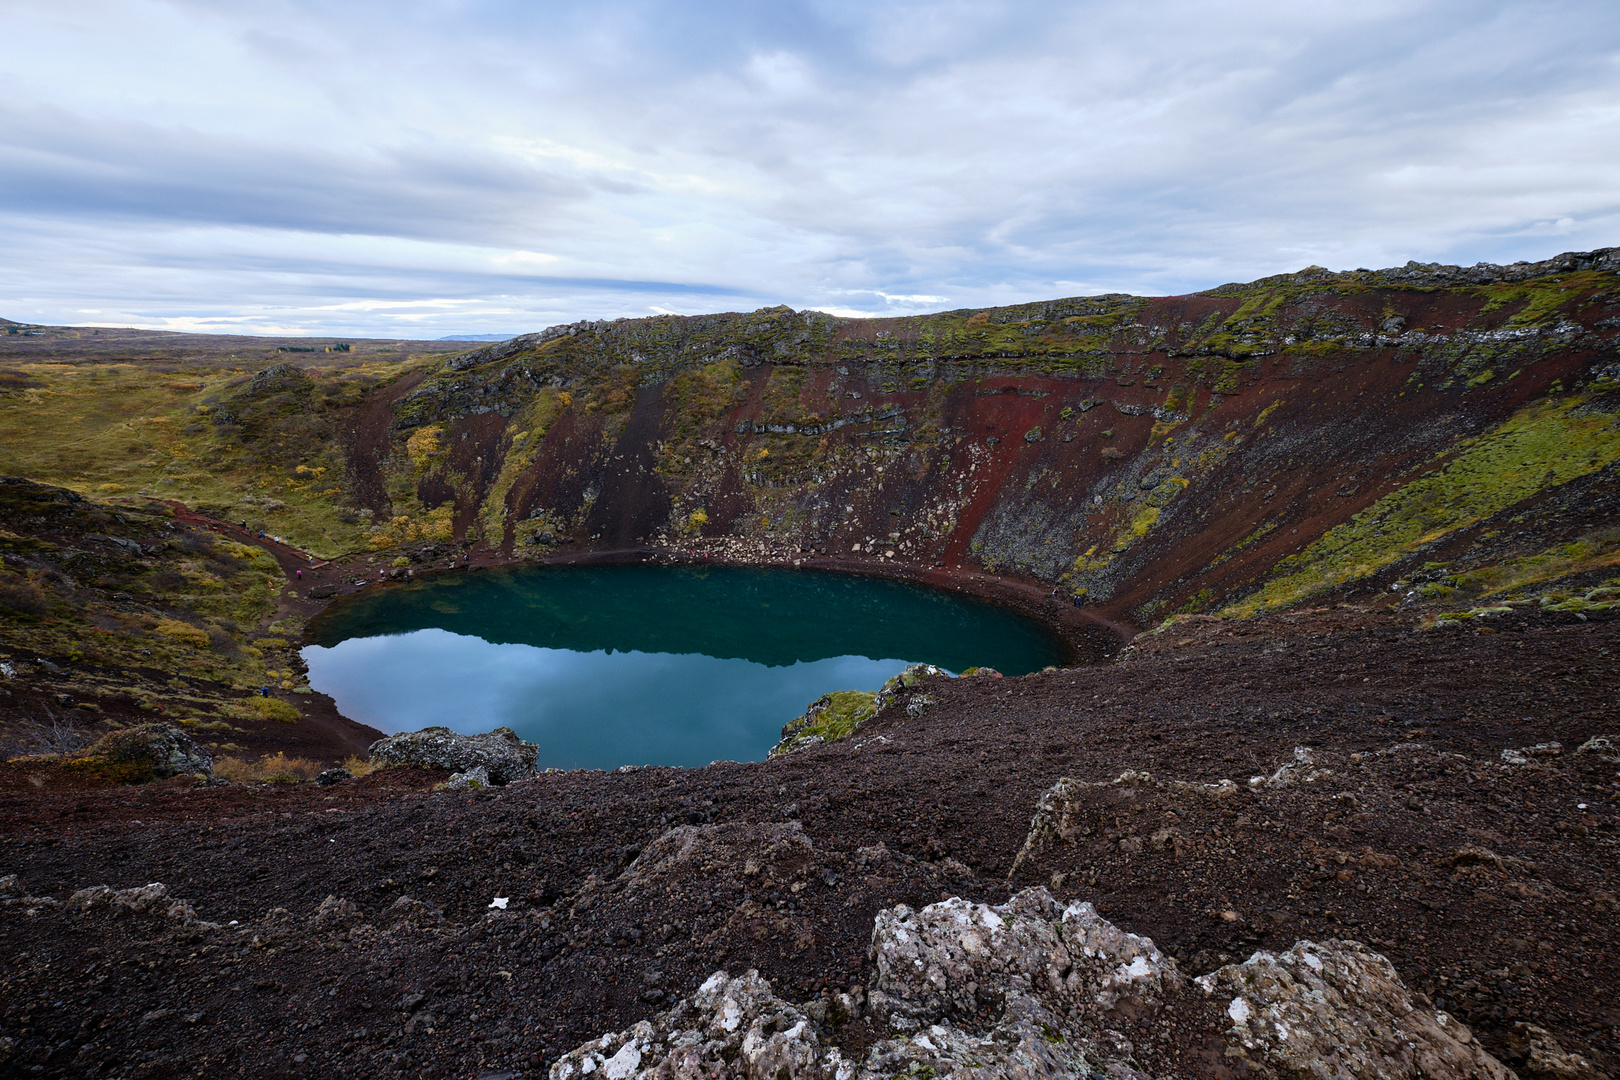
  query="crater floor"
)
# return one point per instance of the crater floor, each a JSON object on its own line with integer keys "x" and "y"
{"x": 1490, "y": 884}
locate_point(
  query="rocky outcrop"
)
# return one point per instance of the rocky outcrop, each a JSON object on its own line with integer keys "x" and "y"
{"x": 1537, "y": 1052}
{"x": 153, "y": 899}
{"x": 473, "y": 779}
{"x": 836, "y": 715}
{"x": 136, "y": 898}
{"x": 500, "y": 753}
{"x": 902, "y": 685}
{"x": 335, "y": 912}
{"x": 1033, "y": 988}
{"x": 728, "y": 1027}
{"x": 1604, "y": 748}
{"x": 731, "y": 849}
{"x": 1332, "y": 1010}
{"x": 1060, "y": 811}
{"x": 829, "y": 718}
{"x": 146, "y": 752}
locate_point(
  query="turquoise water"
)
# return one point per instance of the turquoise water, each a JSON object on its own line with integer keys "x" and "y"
{"x": 644, "y": 665}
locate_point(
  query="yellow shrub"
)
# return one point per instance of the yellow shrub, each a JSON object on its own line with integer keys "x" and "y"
{"x": 424, "y": 445}
{"x": 358, "y": 766}
{"x": 269, "y": 708}
{"x": 185, "y": 632}
{"x": 276, "y": 768}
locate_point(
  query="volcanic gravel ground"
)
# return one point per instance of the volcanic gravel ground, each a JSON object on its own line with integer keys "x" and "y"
{"x": 1491, "y": 886}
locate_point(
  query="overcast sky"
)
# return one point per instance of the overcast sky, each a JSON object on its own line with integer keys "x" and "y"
{"x": 428, "y": 167}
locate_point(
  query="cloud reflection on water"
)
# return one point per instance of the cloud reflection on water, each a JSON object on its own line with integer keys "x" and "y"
{"x": 585, "y": 709}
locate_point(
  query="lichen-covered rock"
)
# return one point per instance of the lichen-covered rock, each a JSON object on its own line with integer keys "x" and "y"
{"x": 1337, "y": 1010}
{"x": 333, "y": 776}
{"x": 146, "y": 752}
{"x": 1035, "y": 990}
{"x": 138, "y": 898}
{"x": 1301, "y": 770}
{"x": 473, "y": 779}
{"x": 1605, "y": 748}
{"x": 905, "y": 682}
{"x": 951, "y": 957}
{"x": 334, "y": 912}
{"x": 918, "y": 704}
{"x": 1537, "y": 1052}
{"x": 501, "y": 754}
{"x": 1524, "y": 755}
{"x": 729, "y": 1027}
{"x": 1061, "y": 809}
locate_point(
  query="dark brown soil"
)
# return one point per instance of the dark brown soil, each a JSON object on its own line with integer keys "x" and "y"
{"x": 1492, "y": 887}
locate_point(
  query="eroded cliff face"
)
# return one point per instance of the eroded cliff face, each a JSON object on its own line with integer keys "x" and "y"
{"x": 1255, "y": 445}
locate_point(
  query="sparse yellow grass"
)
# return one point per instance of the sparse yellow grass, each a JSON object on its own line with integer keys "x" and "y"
{"x": 275, "y": 768}
{"x": 269, "y": 708}
{"x": 358, "y": 766}
{"x": 184, "y": 632}
{"x": 118, "y": 430}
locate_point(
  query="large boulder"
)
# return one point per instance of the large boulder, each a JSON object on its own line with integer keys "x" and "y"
{"x": 1333, "y": 1010}
{"x": 1037, "y": 989}
{"x": 500, "y": 753}
{"x": 728, "y": 1027}
{"x": 147, "y": 752}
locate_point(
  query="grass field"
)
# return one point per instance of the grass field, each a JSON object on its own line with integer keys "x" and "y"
{"x": 206, "y": 433}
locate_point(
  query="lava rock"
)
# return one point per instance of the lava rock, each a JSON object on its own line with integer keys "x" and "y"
{"x": 137, "y": 898}
{"x": 1053, "y": 983}
{"x": 1537, "y": 1052}
{"x": 1605, "y": 748}
{"x": 146, "y": 752}
{"x": 1341, "y": 1003}
{"x": 503, "y": 755}
{"x": 474, "y": 778}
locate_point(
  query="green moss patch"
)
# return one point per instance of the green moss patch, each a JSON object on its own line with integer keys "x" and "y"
{"x": 829, "y": 718}
{"x": 1542, "y": 446}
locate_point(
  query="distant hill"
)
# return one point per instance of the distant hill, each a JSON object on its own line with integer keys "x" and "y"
{"x": 476, "y": 337}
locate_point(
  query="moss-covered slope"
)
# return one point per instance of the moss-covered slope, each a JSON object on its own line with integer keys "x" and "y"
{"x": 1151, "y": 455}
{"x": 1256, "y": 445}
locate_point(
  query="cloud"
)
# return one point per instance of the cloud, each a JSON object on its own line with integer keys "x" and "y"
{"x": 615, "y": 158}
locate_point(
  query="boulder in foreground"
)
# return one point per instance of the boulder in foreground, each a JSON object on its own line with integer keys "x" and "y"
{"x": 1035, "y": 989}
{"x": 500, "y": 753}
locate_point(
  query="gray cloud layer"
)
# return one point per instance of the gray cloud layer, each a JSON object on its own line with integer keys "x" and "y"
{"x": 495, "y": 166}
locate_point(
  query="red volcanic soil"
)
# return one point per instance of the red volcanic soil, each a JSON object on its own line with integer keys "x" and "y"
{"x": 1491, "y": 886}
